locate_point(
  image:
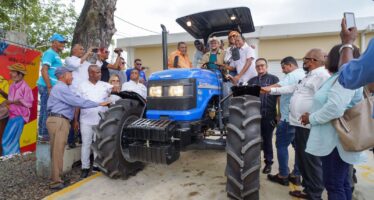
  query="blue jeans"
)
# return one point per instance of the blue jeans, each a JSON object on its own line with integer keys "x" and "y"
{"x": 336, "y": 177}
{"x": 285, "y": 136}
{"x": 43, "y": 113}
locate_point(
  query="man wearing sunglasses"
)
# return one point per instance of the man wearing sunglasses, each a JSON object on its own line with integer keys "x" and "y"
{"x": 268, "y": 110}
{"x": 104, "y": 55}
{"x": 301, "y": 102}
{"x": 138, "y": 66}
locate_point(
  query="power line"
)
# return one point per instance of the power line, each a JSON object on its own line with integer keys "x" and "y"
{"x": 122, "y": 33}
{"x": 136, "y": 25}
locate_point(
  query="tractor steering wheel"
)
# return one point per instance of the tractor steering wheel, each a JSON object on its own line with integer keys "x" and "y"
{"x": 221, "y": 68}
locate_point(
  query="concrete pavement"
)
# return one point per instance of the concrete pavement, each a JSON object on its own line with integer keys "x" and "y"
{"x": 196, "y": 175}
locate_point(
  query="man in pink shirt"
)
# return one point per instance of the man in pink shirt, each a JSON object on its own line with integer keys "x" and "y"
{"x": 19, "y": 101}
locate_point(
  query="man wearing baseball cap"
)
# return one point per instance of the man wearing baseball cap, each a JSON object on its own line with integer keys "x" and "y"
{"x": 50, "y": 62}
{"x": 61, "y": 106}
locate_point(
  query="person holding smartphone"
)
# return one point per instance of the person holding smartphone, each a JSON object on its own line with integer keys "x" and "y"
{"x": 78, "y": 63}
{"x": 358, "y": 72}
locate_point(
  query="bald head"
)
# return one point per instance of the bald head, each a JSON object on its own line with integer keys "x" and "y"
{"x": 94, "y": 73}
{"x": 77, "y": 50}
{"x": 318, "y": 54}
{"x": 313, "y": 59}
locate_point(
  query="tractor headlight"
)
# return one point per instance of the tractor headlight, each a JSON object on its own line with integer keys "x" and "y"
{"x": 155, "y": 91}
{"x": 176, "y": 91}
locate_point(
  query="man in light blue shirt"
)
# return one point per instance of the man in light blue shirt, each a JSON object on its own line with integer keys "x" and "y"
{"x": 285, "y": 133}
{"x": 359, "y": 72}
{"x": 50, "y": 62}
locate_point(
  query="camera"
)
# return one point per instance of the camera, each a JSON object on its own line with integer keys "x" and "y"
{"x": 118, "y": 50}
{"x": 95, "y": 50}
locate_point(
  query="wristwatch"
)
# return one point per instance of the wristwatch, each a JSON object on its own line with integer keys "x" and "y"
{"x": 345, "y": 46}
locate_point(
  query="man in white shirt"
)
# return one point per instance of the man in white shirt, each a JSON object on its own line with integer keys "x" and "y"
{"x": 229, "y": 58}
{"x": 199, "y": 52}
{"x": 134, "y": 85}
{"x": 98, "y": 91}
{"x": 301, "y": 102}
{"x": 245, "y": 66}
{"x": 78, "y": 63}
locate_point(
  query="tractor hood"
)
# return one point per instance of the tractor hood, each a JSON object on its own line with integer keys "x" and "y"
{"x": 173, "y": 74}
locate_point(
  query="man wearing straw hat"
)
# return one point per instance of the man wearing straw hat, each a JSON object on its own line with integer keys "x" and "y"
{"x": 19, "y": 101}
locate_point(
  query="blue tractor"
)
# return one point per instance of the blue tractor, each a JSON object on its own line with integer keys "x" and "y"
{"x": 184, "y": 110}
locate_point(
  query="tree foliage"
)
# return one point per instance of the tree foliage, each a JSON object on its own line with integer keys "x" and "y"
{"x": 39, "y": 19}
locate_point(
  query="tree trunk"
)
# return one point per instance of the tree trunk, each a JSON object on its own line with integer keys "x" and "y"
{"x": 95, "y": 26}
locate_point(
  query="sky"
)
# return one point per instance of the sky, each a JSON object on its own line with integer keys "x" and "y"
{"x": 151, "y": 13}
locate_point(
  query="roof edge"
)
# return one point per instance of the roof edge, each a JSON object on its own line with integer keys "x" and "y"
{"x": 274, "y": 31}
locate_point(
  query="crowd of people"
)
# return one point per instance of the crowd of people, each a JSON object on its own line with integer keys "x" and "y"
{"x": 72, "y": 94}
{"x": 300, "y": 107}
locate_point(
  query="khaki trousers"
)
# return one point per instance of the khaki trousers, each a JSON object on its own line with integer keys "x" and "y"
{"x": 58, "y": 130}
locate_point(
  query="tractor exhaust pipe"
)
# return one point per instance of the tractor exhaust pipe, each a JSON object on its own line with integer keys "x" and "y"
{"x": 164, "y": 47}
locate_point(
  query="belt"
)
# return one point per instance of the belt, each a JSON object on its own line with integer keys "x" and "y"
{"x": 58, "y": 115}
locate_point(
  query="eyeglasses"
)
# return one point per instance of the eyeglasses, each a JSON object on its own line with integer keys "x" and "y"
{"x": 115, "y": 81}
{"x": 306, "y": 59}
{"x": 138, "y": 63}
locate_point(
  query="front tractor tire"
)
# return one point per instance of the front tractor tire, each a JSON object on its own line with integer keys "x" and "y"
{"x": 243, "y": 147}
{"x": 108, "y": 147}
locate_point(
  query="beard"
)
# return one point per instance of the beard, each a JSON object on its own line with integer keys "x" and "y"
{"x": 305, "y": 68}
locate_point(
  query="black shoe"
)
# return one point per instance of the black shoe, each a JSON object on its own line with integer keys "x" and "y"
{"x": 85, "y": 173}
{"x": 96, "y": 169}
{"x": 296, "y": 180}
{"x": 72, "y": 145}
{"x": 276, "y": 179}
{"x": 267, "y": 169}
{"x": 57, "y": 186}
{"x": 299, "y": 194}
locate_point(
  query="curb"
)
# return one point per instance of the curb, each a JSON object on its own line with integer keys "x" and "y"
{"x": 72, "y": 187}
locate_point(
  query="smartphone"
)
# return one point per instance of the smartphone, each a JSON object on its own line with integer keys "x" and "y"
{"x": 350, "y": 19}
{"x": 95, "y": 50}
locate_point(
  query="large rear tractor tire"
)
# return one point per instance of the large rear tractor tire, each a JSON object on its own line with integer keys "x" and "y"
{"x": 243, "y": 147}
{"x": 108, "y": 147}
